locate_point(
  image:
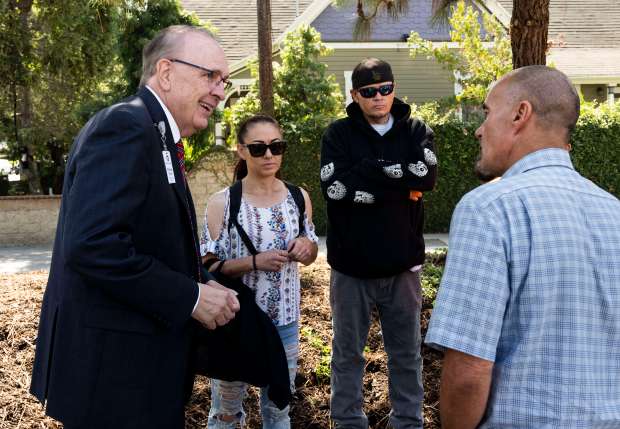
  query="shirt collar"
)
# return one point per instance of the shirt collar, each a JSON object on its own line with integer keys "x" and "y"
{"x": 176, "y": 134}
{"x": 541, "y": 158}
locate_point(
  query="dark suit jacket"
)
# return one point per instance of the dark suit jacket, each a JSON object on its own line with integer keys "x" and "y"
{"x": 115, "y": 328}
{"x": 248, "y": 348}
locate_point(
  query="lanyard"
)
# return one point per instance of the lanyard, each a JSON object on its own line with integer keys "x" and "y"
{"x": 165, "y": 153}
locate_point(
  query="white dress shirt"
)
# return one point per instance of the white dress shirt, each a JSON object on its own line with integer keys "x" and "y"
{"x": 176, "y": 136}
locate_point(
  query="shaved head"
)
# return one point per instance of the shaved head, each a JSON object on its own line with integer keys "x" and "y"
{"x": 529, "y": 109}
{"x": 553, "y": 98}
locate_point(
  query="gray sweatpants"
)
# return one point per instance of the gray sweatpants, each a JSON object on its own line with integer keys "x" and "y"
{"x": 398, "y": 300}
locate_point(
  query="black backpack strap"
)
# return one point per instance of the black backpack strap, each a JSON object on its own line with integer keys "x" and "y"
{"x": 234, "y": 197}
{"x": 298, "y": 197}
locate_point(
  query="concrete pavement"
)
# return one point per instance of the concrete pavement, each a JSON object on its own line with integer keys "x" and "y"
{"x": 33, "y": 258}
{"x": 24, "y": 259}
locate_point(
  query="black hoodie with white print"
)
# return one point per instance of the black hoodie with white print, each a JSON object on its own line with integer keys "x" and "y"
{"x": 374, "y": 229}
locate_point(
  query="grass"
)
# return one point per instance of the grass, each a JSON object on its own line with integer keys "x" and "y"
{"x": 322, "y": 369}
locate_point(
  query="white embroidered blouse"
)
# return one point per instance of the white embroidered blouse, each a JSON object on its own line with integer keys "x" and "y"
{"x": 277, "y": 293}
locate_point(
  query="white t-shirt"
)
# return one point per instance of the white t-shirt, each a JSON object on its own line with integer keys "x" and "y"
{"x": 384, "y": 128}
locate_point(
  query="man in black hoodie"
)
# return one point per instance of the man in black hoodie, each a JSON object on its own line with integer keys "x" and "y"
{"x": 374, "y": 163}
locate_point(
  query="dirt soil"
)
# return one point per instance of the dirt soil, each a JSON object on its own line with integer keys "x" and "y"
{"x": 20, "y": 300}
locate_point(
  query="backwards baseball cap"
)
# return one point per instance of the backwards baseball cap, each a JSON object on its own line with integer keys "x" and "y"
{"x": 369, "y": 71}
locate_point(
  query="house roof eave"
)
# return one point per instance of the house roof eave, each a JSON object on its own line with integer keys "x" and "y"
{"x": 595, "y": 80}
{"x": 497, "y": 10}
{"x": 307, "y": 17}
{"x": 241, "y": 65}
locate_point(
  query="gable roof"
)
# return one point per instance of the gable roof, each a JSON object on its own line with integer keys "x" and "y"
{"x": 235, "y": 21}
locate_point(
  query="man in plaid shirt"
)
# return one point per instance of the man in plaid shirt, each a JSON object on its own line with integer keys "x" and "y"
{"x": 528, "y": 311}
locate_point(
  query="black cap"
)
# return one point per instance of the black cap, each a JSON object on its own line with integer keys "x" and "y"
{"x": 369, "y": 71}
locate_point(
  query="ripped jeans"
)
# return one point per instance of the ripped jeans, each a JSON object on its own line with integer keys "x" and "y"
{"x": 227, "y": 396}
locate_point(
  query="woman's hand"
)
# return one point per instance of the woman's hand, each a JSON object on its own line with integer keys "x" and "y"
{"x": 271, "y": 260}
{"x": 303, "y": 250}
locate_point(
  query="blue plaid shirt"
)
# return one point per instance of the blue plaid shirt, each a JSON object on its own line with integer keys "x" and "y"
{"x": 532, "y": 283}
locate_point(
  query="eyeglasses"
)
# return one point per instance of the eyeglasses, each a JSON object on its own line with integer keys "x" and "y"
{"x": 212, "y": 75}
{"x": 259, "y": 148}
{"x": 371, "y": 91}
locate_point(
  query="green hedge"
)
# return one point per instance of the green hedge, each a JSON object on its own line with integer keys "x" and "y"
{"x": 457, "y": 150}
{"x": 596, "y": 146}
{"x": 301, "y": 166}
{"x": 595, "y": 154}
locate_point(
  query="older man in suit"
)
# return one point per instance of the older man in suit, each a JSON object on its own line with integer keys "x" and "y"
{"x": 126, "y": 282}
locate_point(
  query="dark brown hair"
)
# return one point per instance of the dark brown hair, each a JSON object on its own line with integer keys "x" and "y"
{"x": 241, "y": 169}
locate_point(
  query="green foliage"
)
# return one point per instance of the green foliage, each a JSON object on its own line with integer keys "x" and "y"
{"x": 306, "y": 100}
{"x": 435, "y": 111}
{"x": 595, "y": 155}
{"x": 596, "y": 145}
{"x": 140, "y": 24}
{"x": 54, "y": 55}
{"x": 483, "y": 53}
{"x": 322, "y": 369}
{"x": 60, "y": 62}
{"x": 199, "y": 144}
{"x": 432, "y": 270}
{"x": 217, "y": 160}
{"x": 457, "y": 150}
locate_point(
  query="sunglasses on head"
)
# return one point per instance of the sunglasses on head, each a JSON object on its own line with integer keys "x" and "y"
{"x": 371, "y": 91}
{"x": 258, "y": 148}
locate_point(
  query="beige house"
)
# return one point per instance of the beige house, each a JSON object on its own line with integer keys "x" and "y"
{"x": 584, "y": 32}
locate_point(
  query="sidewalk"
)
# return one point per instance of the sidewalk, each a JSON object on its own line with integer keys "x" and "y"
{"x": 24, "y": 259}
{"x": 431, "y": 241}
{"x": 34, "y": 258}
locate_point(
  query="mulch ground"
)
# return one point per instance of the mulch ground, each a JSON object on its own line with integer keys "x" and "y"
{"x": 20, "y": 300}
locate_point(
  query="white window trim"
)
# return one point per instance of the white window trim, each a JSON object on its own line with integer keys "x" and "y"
{"x": 348, "y": 86}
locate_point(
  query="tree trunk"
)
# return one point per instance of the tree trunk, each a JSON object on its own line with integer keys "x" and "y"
{"x": 528, "y": 32}
{"x": 32, "y": 172}
{"x": 265, "y": 67}
{"x": 24, "y": 106}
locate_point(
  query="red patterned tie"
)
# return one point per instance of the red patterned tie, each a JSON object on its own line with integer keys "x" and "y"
{"x": 181, "y": 156}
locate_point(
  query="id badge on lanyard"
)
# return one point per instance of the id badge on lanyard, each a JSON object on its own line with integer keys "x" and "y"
{"x": 161, "y": 126}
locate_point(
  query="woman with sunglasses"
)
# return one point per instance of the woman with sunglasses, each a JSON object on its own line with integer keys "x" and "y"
{"x": 270, "y": 216}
